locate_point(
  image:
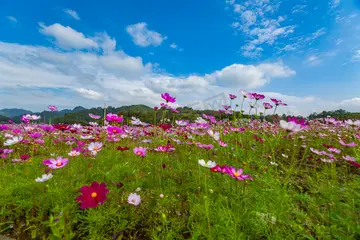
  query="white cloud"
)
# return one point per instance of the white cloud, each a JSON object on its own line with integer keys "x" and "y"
{"x": 250, "y": 76}
{"x": 175, "y": 46}
{"x": 339, "y": 41}
{"x": 313, "y": 60}
{"x": 66, "y": 37}
{"x": 259, "y": 25}
{"x": 318, "y": 33}
{"x": 352, "y": 104}
{"x": 88, "y": 93}
{"x": 334, "y": 4}
{"x": 72, "y": 13}
{"x": 356, "y": 56}
{"x": 144, "y": 37}
{"x": 299, "y": 9}
{"x": 12, "y": 18}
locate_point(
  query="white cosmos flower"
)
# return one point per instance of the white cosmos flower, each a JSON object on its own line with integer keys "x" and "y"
{"x": 290, "y": 126}
{"x": 208, "y": 164}
{"x": 73, "y": 153}
{"x": 12, "y": 141}
{"x": 44, "y": 178}
{"x": 200, "y": 120}
{"x": 215, "y": 135}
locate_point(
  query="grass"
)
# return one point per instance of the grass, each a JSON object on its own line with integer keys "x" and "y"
{"x": 297, "y": 196}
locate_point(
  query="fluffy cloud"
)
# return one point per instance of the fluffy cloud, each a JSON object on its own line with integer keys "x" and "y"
{"x": 45, "y": 75}
{"x": 72, "y": 13}
{"x": 118, "y": 78}
{"x": 144, "y": 37}
{"x": 66, "y": 37}
{"x": 88, "y": 93}
{"x": 251, "y": 76}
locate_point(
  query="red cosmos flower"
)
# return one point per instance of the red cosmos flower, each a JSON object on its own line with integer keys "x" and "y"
{"x": 165, "y": 126}
{"x": 258, "y": 139}
{"x": 122, "y": 148}
{"x": 93, "y": 195}
{"x": 61, "y": 127}
{"x": 24, "y": 157}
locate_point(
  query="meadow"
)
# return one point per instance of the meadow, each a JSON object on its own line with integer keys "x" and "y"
{"x": 228, "y": 178}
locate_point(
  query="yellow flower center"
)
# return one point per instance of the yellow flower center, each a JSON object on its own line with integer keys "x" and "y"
{"x": 236, "y": 174}
{"x": 138, "y": 153}
{"x": 96, "y": 148}
{"x": 114, "y": 131}
{"x": 94, "y": 195}
{"x": 59, "y": 163}
{"x": 133, "y": 200}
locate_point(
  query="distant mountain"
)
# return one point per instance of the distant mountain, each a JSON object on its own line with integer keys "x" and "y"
{"x": 78, "y": 109}
{"x": 3, "y": 119}
{"x": 45, "y": 115}
{"x": 13, "y": 112}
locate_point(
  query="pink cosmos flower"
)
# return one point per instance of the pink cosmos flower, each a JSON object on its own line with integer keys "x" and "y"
{"x": 93, "y": 116}
{"x": 222, "y": 144}
{"x": 334, "y": 150}
{"x": 237, "y": 129}
{"x": 156, "y": 108}
{"x": 111, "y": 117}
{"x": 56, "y": 163}
{"x": 352, "y": 144}
{"x": 267, "y": 105}
{"x": 206, "y": 146}
{"x": 317, "y": 152}
{"x": 238, "y": 174}
{"x": 349, "y": 158}
{"x": 226, "y": 107}
{"x": 52, "y": 108}
{"x": 35, "y": 135}
{"x": 232, "y": 97}
{"x": 167, "y": 148}
{"x": 168, "y": 98}
{"x": 134, "y": 199}
{"x": 74, "y": 153}
{"x": 278, "y": 102}
{"x": 140, "y": 151}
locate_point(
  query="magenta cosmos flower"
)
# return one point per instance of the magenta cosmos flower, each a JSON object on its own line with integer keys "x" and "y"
{"x": 258, "y": 96}
{"x": 232, "y": 96}
{"x": 111, "y": 117}
{"x": 56, "y": 163}
{"x": 93, "y": 195}
{"x": 140, "y": 151}
{"x": 278, "y": 102}
{"x": 267, "y": 105}
{"x": 168, "y": 98}
{"x": 114, "y": 130}
{"x": 238, "y": 174}
{"x": 52, "y": 108}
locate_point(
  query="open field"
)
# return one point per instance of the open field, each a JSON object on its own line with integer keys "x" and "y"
{"x": 210, "y": 179}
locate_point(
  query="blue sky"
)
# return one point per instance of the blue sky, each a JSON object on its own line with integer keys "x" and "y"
{"x": 70, "y": 53}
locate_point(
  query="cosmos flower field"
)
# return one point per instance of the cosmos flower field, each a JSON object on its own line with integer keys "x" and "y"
{"x": 229, "y": 178}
